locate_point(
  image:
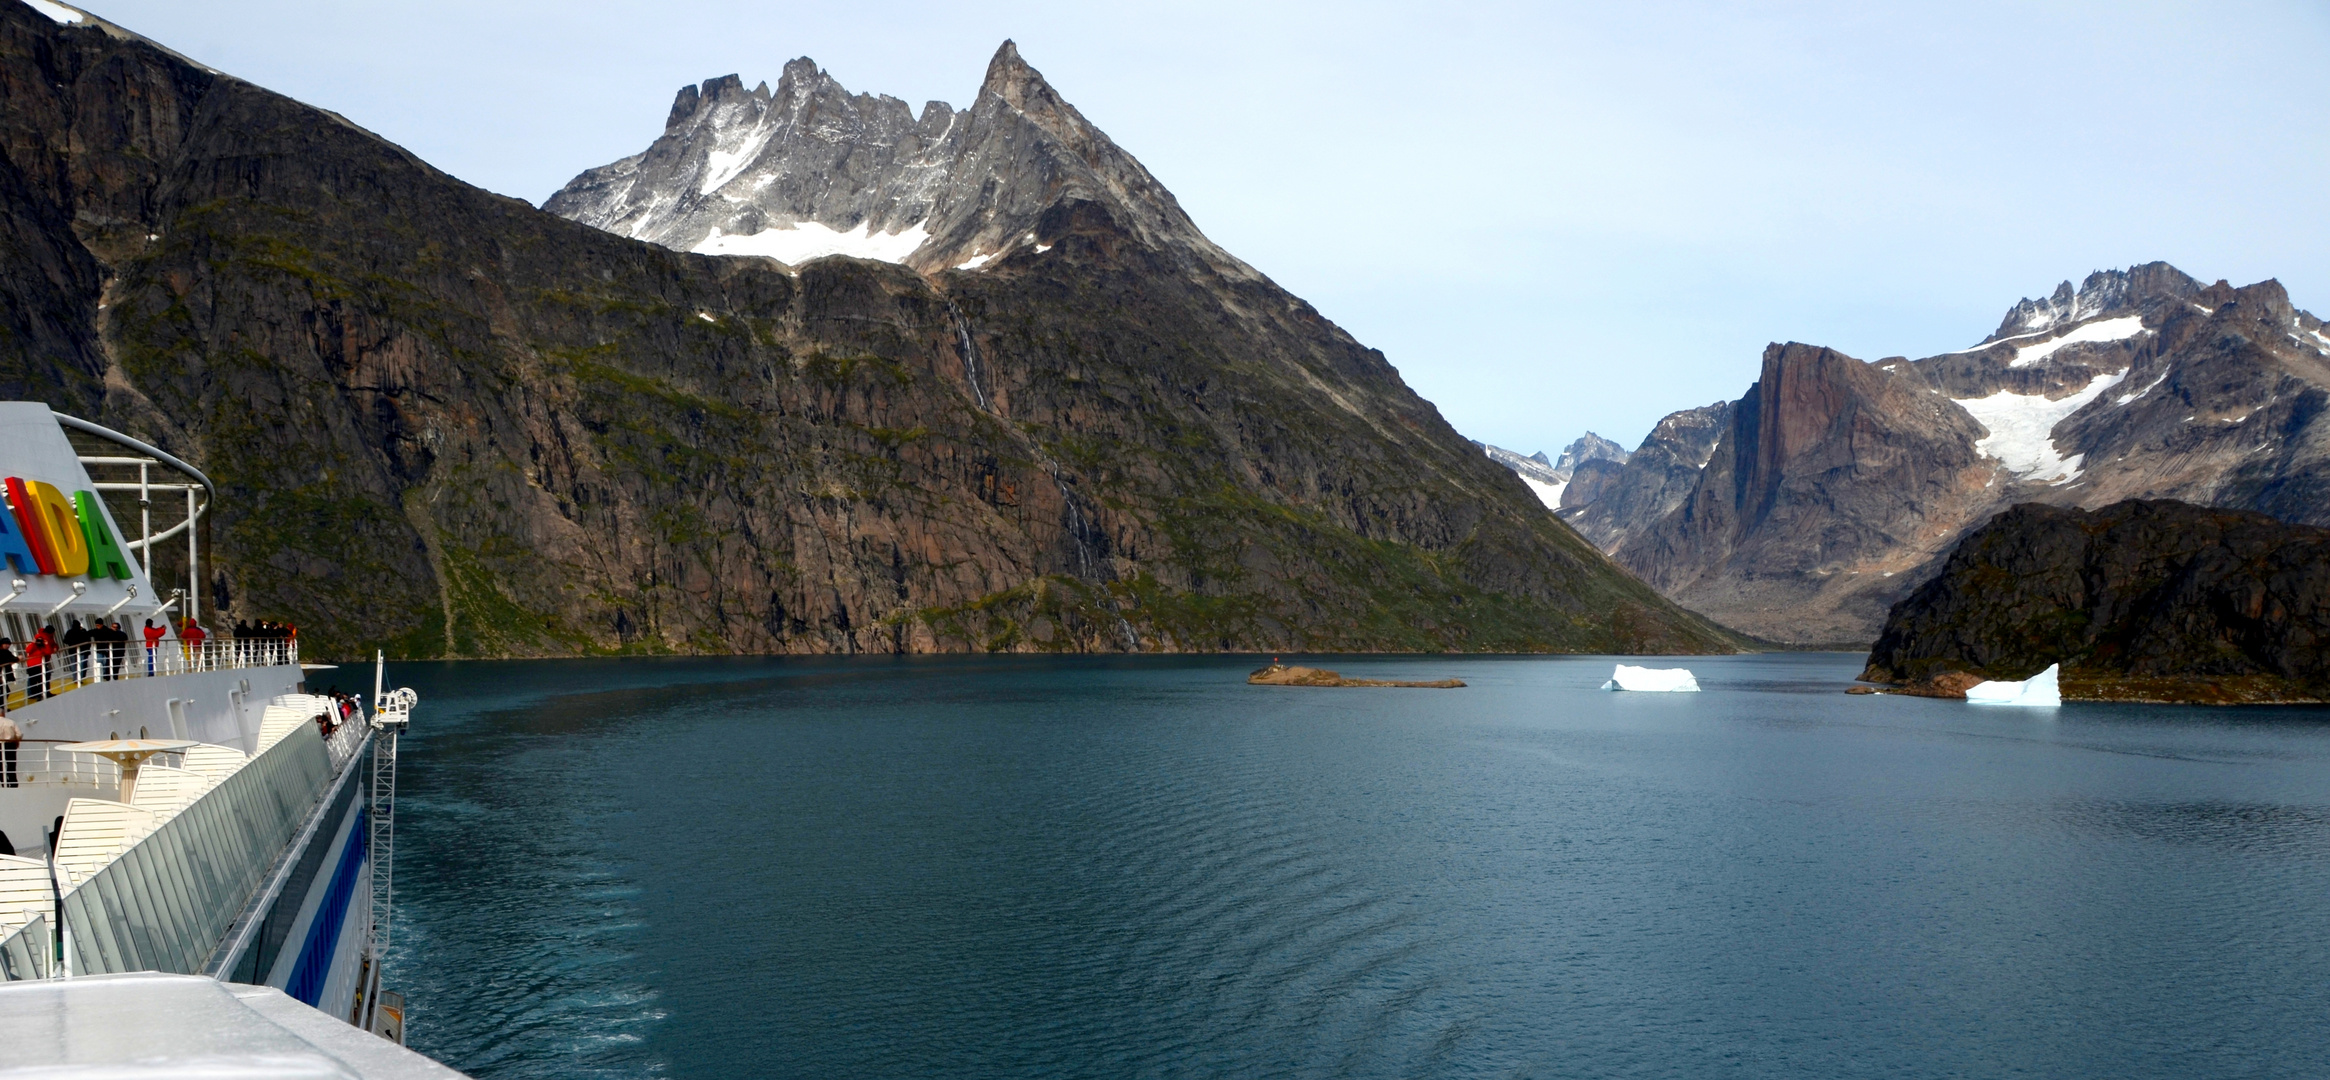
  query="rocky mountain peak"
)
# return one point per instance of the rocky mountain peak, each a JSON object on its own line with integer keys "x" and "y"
{"x": 1589, "y": 447}
{"x": 2104, "y": 293}
{"x": 1012, "y": 79}
{"x": 812, "y": 170}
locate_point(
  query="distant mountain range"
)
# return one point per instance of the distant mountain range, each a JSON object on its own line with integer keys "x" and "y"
{"x": 1803, "y": 510}
{"x": 1552, "y": 478}
{"x": 810, "y": 375}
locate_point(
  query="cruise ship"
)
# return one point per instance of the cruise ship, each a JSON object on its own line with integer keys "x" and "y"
{"x": 195, "y": 847}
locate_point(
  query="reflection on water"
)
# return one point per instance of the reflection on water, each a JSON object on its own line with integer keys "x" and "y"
{"x": 1014, "y": 866}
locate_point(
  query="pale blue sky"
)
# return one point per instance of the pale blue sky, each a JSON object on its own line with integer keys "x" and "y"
{"x": 1551, "y": 217}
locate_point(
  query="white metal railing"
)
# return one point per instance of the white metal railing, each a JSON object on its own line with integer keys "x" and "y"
{"x": 38, "y": 763}
{"x": 345, "y": 740}
{"x": 98, "y": 662}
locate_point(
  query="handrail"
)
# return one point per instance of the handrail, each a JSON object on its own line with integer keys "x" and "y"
{"x": 91, "y": 663}
{"x": 158, "y": 454}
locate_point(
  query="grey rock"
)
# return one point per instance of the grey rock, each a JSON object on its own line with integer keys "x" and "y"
{"x": 1589, "y": 447}
{"x": 1656, "y": 478}
{"x": 1592, "y": 479}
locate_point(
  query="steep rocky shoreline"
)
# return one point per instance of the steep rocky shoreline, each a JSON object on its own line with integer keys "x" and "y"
{"x": 2143, "y": 600}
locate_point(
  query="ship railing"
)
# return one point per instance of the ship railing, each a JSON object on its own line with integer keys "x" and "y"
{"x": 25, "y": 952}
{"x": 345, "y": 741}
{"x": 100, "y": 662}
{"x": 38, "y": 763}
{"x": 166, "y": 902}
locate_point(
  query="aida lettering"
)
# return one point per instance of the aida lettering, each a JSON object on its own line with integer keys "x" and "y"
{"x": 45, "y": 532}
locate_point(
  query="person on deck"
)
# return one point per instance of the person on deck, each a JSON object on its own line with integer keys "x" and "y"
{"x": 37, "y": 654}
{"x": 76, "y": 643}
{"x": 8, "y": 662}
{"x": 10, "y": 735}
{"x": 191, "y": 636}
{"x": 116, "y": 650}
{"x": 154, "y": 635}
{"x": 243, "y": 633}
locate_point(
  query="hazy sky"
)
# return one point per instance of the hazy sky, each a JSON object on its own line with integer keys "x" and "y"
{"x": 1551, "y": 217}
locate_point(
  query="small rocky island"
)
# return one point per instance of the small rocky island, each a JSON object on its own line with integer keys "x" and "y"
{"x": 1285, "y": 675}
{"x": 2144, "y": 600}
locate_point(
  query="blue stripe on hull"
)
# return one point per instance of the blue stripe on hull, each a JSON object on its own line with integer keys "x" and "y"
{"x": 323, "y": 933}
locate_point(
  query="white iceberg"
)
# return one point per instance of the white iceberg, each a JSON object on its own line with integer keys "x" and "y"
{"x": 2038, "y": 690}
{"x": 1673, "y": 680}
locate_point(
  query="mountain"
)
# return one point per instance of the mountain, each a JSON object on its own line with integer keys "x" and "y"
{"x": 449, "y": 423}
{"x": 1656, "y": 478}
{"x": 2141, "y": 600}
{"x": 810, "y": 169}
{"x": 1835, "y": 486}
{"x": 1551, "y": 478}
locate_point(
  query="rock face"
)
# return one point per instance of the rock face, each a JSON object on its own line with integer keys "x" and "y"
{"x": 1589, "y": 447}
{"x": 1836, "y": 486}
{"x": 451, "y": 424}
{"x": 811, "y": 169}
{"x": 1657, "y": 478}
{"x": 2144, "y": 599}
{"x": 1591, "y": 480}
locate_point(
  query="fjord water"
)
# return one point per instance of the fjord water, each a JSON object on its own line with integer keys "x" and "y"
{"x": 1144, "y": 867}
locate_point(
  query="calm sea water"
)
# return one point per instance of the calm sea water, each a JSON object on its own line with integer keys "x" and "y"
{"x": 1143, "y": 867}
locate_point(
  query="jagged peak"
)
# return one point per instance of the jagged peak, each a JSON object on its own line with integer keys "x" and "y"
{"x": 2103, "y": 292}
{"x": 1008, "y": 76}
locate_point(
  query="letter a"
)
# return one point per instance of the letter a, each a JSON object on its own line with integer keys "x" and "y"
{"x": 105, "y": 557}
{"x": 28, "y": 518}
{"x": 15, "y": 546}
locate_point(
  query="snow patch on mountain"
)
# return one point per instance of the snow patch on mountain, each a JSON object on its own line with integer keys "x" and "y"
{"x": 2022, "y": 429}
{"x": 2101, "y": 330}
{"x": 1549, "y": 494}
{"x": 806, "y": 240}
{"x": 59, "y": 13}
{"x": 2124, "y": 399}
{"x": 721, "y": 166}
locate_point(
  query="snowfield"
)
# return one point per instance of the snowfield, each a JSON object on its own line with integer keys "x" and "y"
{"x": 1549, "y": 494}
{"x": 2120, "y": 329}
{"x": 2022, "y": 429}
{"x": 811, "y": 240}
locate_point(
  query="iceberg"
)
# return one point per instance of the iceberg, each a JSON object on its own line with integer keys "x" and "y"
{"x": 1655, "y": 680}
{"x": 2038, "y": 690}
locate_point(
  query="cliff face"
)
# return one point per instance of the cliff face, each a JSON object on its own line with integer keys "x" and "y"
{"x": 1838, "y": 485}
{"x": 449, "y": 423}
{"x": 1656, "y": 479}
{"x": 1828, "y": 471}
{"x": 2141, "y": 599}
